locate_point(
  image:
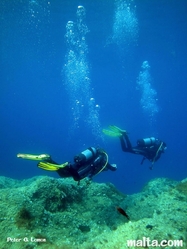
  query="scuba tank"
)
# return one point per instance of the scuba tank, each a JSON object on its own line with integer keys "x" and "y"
{"x": 146, "y": 141}
{"x": 85, "y": 156}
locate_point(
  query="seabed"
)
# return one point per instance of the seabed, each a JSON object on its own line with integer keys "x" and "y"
{"x": 44, "y": 212}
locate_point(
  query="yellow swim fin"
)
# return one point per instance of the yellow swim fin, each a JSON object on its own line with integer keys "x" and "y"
{"x": 51, "y": 166}
{"x": 117, "y": 129}
{"x": 34, "y": 157}
{"x": 114, "y": 131}
{"x": 111, "y": 133}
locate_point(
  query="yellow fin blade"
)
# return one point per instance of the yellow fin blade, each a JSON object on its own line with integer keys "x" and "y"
{"x": 48, "y": 166}
{"x": 34, "y": 157}
{"x": 116, "y": 129}
{"x": 111, "y": 133}
{"x": 51, "y": 166}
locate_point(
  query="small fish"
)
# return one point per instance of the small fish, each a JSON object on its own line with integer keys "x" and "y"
{"x": 121, "y": 211}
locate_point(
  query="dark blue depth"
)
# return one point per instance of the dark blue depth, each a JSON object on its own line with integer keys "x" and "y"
{"x": 35, "y": 113}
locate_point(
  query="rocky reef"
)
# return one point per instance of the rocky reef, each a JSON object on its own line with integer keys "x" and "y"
{"x": 45, "y": 212}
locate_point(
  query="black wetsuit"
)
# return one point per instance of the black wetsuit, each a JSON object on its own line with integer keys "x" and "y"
{"x": 88, "y": 169}
{"x": 151, "y": 152}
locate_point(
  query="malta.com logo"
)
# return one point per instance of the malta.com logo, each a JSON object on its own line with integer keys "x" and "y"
{"x": 146, "y": 242}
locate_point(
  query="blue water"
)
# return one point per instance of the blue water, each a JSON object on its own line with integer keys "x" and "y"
{"x": 42, "y": 112}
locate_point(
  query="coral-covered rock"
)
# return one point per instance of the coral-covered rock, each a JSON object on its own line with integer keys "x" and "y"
{"x": 59, "y": 213}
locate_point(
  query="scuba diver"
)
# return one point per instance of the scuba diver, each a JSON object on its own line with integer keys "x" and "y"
{"x": 88, "y": 163}
{"x": 150, "y": 148}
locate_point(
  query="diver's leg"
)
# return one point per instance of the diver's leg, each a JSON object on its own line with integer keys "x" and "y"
{"x": 129, "y": 146}
{"x": 123, "y": 144}
{"x": 64, "y": 172}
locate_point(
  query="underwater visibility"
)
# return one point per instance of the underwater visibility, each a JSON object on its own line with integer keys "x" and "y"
{"x": 148, "y": 100}
{"x": 125, "y": 24}
{"x": 77, "y": 74}
{"x": 93, "y": 124}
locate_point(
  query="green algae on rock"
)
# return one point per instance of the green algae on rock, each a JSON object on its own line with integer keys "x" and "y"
{"x": 45, "y": 212}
